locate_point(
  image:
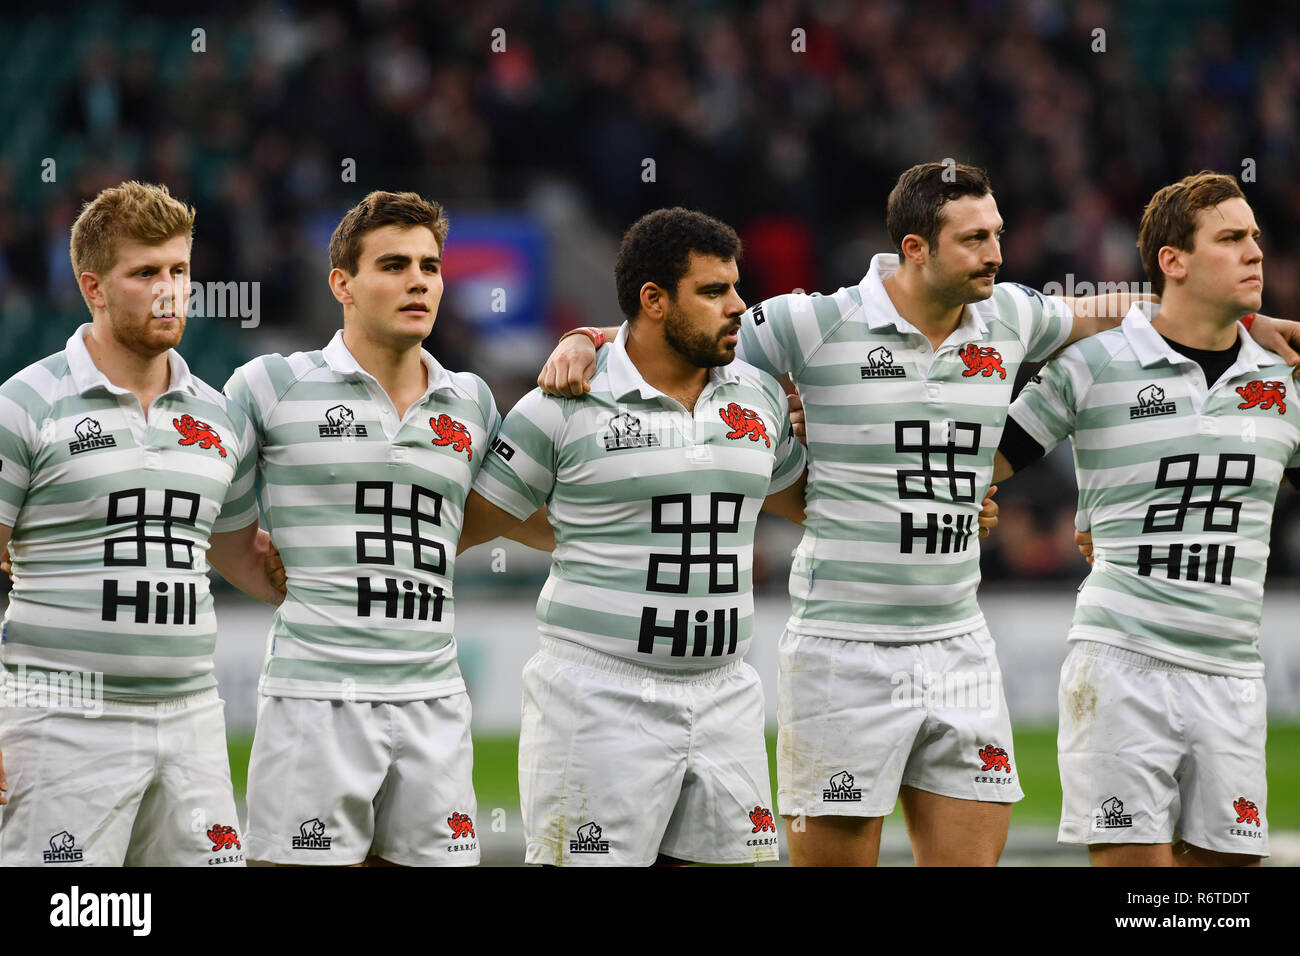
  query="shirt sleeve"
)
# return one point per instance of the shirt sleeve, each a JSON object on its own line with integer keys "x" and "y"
{"x": 1047, "y": 406}
{"x": 240, "y": 507}
{"x": 17, "y": 439}
{"x": 767, "y": 337}
{"x": 518, "y": 473}
{"x": 1045, "y": 321}
{"x": 790, "y": 458}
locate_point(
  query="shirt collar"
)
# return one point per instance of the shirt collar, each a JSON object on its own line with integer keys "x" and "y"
{"x": 86, "y": 375}
{"x": 879, "y": 312}
{"x": 1150, "y": 346}
{"x": 625, "y": 378}
{"x": 339, "y": 358}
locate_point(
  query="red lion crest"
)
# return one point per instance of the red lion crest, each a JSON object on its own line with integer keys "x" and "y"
{"x": 224, "y": 838}
{"x": 194, "y": 431}
{"x": 1247, "y": 812}
{"x": 995, "y": 758}
{"x": 761, "y": 817}
{"x": 744, "y": 421}
{"x": 461, "y": 825}
{"x": 981, "y": 361}
{"x": 1264, "y": 394}
{"x": 453, "y": 433}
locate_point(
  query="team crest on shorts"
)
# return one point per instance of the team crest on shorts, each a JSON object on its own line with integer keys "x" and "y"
{"x": 981, "y": 361}
{"x": 1262, "y": 395}
{"x": 1110, "y": 815}
{"x": 589, "y": 840}
{"x": 195, "y": 432}
{"x": 462, "y": 828}
{"x": 995, "y": 758}
{"x": 63, "y": 849}
{"x": 761, "y": 818}
{"x": 841, "y": 789}
{"x": 1151, "y": 401}
{"x": 89, "y": 437}
{"x": 224, "y": 838}
{"x": 1247, "y": 812}
{"x": 448, "y": 431}
{"x": 311, "y": 836}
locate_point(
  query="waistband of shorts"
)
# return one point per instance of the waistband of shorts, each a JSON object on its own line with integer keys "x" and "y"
{"x": 1125, "y": 656}
{"x": 157, "y": 706}
{"x": 599, "y": 660}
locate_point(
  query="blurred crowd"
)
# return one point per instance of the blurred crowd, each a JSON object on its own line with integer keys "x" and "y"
{"x": 789, "y": 119}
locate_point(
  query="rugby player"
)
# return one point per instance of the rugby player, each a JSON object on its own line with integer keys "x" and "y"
{"x": 905, "y": 380}
{"x": 367, "y": 449}
{"x": 642, "y": 737}
{"x": 1182, "y": 430}
{"x": 122, "y": 476}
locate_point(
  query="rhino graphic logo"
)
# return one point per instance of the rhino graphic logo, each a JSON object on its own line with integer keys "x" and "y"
{"x": 625, "y": 432}
{"x": 1151, "y": 401}
{"x": 841, "y": 788}
{"x": 340, "y": 423}
{"x": 339, "y": 415}
{"x": 880, "y": 364}
{"x": 589, "y": 840}
{"x": 63, "y": 849}
{"x": 87, "y": 429}
{"x": 1111, "y": 815}
{"x": 63, "y": 840}
{"x": 89, "y": 435}
{"x": 311, "y": 836}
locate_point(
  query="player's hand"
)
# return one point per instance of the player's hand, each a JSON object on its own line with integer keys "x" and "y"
{"x": 1281, "y": 336}
{"x": 6, "y": 562}
{"x": 797, "y": 417}
{"x": 1083, "y": 539}
{"x": 988, "y": 513}
{"x": 4, "y": 784}
{"x": 275, "y": 569}
{"x": 567, "y": 373}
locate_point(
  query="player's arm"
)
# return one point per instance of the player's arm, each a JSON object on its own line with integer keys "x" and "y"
{"x": 485, "y": 521}
{"x": 241, "y": 557}
{"x": 789, "y": 502}
{"x": 568, "y": 371}
{"x": 1097, "y": 313}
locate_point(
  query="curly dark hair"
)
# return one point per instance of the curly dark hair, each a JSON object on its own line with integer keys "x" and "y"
{"x": 657, "y": 248}
{"x": 917, "y": 200}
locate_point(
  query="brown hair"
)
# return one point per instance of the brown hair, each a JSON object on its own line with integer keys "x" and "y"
{"x": 381, "y": 209}
{"x": 140, "y": 211}
{"x": 1172, "y": 215}
{"x": 917, "y": 199}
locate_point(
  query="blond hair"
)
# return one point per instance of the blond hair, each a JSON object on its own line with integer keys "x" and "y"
{"x": 139, "y": 211}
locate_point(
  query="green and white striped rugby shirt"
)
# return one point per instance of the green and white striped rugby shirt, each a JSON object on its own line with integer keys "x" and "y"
{"x": 1177, "y": 482}
{"x": 111, "y": 515}
{"x": 900, "y": 449}
{"x": 366, "y": 510}
{"x": 653, "y": 507}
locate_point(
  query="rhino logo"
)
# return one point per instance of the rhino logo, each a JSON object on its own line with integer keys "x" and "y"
{"x": 89, "y": 435}
{"x": 1111, "y": 815}
{"x": 841, "y": 788}
{"x": 339, "y": 415}
{"x": 63, "y": 849}
{"x": 589, "y": 840}
{"x": 880, "y": 364}
{"x": 311, "y": 836}
{"x": 1151, "y": 401}
{"x": 87, "y": 429}
{"x": 880, "y": 357}
{"x": 625, "y": 432}
{"x": 1151, "y": 395}
{"x": 340, "y": 423}
{"x": 61, "y": 841}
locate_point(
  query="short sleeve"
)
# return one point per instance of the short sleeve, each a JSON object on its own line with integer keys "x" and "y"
{"x": 790, "y": 458}
{"x": 1048, "y": 405}
{"x": 1045, "y": 321}
{"x": 240, "y": 507}
{"x": 17, "y": 437}
{"x": 518, "y": 474}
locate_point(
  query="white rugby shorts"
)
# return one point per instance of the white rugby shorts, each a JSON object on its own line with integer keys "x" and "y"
{"x": 619, "y": 763}
{"x": 146, "y": 783}
{"x": 858, "y": 719}
{"x": 332, "y": 782}
{"x": 1151, "y": 752}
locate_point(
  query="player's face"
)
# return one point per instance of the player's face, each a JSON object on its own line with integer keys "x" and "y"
{"x": 1226, "y": 264}
{"x": 398, "y": 285}
{"x": 968, "y": 252}
{"x": 703, "y": 319}
{"x": 146, "y": 294}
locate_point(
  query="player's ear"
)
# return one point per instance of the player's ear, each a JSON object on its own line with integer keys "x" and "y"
{"x": 1172, "y": 263}
{"x": 915, "y": 249}
{"x": 92, "y": 289}
{"x": 654, "y": 301}
{"x": 340, "y": 286}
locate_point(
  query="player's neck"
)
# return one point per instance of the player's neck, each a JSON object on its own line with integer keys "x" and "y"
{"x": 400, "y": 372}
{"x": 662, "y": 367}
{"x": 145, "y": 376}
{"x": 1196, "y": 324}
{"x": 933, "y": 318}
